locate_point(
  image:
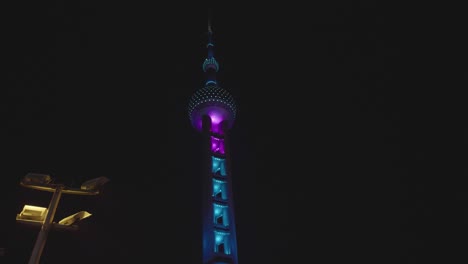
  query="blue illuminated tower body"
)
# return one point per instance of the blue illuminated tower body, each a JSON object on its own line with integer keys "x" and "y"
{"x": 212, "y": 112}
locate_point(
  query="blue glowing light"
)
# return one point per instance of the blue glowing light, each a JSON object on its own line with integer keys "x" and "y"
{"x": 219, "y": 189}
{"x": 218, "y": 166}
{"x": 217, "y": 211}
{"x": 210, "y": 63}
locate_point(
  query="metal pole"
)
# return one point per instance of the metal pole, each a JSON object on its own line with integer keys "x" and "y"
{"x": 46, "y": 226}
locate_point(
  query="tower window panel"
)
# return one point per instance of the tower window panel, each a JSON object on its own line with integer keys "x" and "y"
{"x": 217, "y": 145}
{"x": 218, "y": 166}
{"x": 220, "y": 189}
{"x": 220, "y": 214}
{"x": 222, "y": 242}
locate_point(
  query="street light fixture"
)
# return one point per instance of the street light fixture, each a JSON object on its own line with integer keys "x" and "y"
{"x": 43, "y": 217}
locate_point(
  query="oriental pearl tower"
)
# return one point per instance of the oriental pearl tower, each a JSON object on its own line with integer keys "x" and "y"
{"x": 212, "y": 112}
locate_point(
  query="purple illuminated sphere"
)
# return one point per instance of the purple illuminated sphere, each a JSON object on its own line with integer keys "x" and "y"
{"x": 215, "y": 102}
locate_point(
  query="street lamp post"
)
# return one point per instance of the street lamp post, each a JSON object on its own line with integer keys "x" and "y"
{"x": 42, "y": 237}
{"x": 42, "y": 182}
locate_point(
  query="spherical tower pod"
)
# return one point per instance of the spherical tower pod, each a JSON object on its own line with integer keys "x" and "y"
{"x": 216, "y": 103}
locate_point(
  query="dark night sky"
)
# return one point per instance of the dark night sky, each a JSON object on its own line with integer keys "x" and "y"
{"x": 340, "y": 149}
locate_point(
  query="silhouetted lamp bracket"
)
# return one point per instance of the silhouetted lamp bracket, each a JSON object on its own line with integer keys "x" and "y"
{"x": 94, "y": 185}
{"x": 43, "y": 182}
{"x": 43, "y": 217}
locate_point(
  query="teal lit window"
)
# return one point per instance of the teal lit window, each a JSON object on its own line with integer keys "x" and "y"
{"x": 220, "y": 214}
{"x": 219, "y": 189}
{"x": 222, "y": 242}
{"x": 218, "y": 166}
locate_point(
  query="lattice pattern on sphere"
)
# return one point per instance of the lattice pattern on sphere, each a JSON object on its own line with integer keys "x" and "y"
{"x": 212, "y": 95}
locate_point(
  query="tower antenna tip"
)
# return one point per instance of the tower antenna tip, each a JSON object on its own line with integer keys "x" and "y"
{"x": 209, "y": 21}
{"x": 209, "y": 26}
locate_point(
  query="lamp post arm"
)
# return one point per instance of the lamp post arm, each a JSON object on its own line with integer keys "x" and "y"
{"x": 66, "y": 190}
{"x": 46, "y": 226}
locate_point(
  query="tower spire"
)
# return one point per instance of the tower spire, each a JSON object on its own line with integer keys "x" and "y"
{"x": 211, "y": 100}
{"x": 210, "y": 65}
{"x": 209, "y": 20}
{"x": 210, "y": 35}
{"x": 209, "y": 24}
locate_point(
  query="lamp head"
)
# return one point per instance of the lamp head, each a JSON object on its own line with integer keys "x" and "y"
{"x": 36, "y": 178}
{"x": 69, "y": 220}
{"x": 94, "y": 184}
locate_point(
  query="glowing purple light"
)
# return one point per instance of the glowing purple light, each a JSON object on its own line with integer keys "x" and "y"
{"x": 216, "y": 119}
{"x": 217, "y": 145}
{"x": 214, "y": 102}
{"x": 217, "y": 115}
